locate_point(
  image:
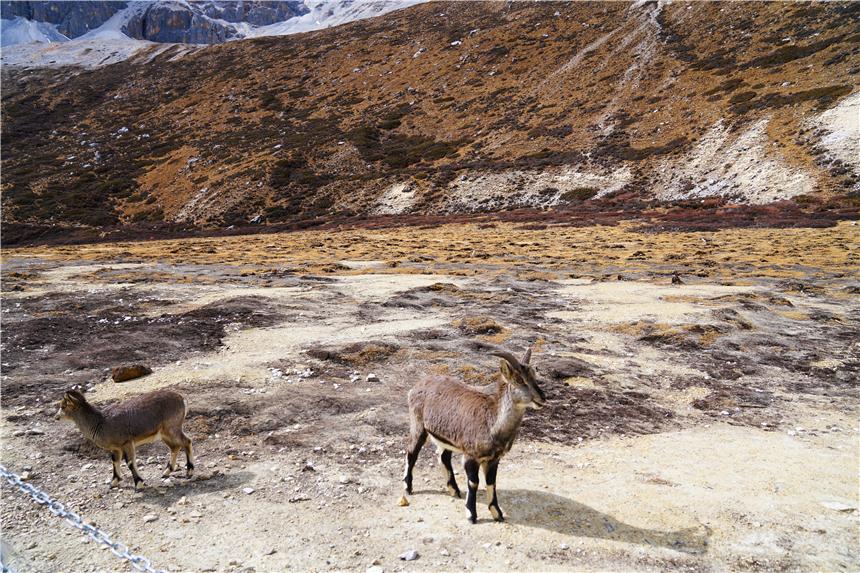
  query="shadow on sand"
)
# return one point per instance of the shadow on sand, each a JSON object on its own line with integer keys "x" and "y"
{"x": 562, "y": 515}
{"x": 166, "y": 495}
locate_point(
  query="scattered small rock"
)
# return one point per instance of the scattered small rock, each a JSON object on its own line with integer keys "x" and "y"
{"x": 374, "y": 569}
{"x": 247, "y": 490}
{"x": 410, "y": 555}
{"x": 150, "y": 518}
{"x": 403, "y": 502}
{"x": 838, "y": 506}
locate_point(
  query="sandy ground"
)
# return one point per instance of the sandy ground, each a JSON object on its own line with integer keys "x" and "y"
{"x": 708, "y": 426}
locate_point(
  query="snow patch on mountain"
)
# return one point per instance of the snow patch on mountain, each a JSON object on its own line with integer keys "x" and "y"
{"x": 397, "y": 199}
{"x": 744, "y": 168}
{"x": 496, "y": 191}
{"x": 326, "y": 14}
{"x": 841, "y": 125}
{"x": 22, "y": 31}
{"x": 34, "y": 44}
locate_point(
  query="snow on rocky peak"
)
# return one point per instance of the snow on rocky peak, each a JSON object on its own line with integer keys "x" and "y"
{"x": 89, "y": 34}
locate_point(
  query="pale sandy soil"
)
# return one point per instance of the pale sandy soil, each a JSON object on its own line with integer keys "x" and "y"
{"x": 703, "y": 430}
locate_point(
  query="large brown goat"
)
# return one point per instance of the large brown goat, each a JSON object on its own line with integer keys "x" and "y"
{"x": 121, "y": 428}
{"x": 480, "y": 423}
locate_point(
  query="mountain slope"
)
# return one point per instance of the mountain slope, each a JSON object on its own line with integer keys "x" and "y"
{"x": 451, "y": 108}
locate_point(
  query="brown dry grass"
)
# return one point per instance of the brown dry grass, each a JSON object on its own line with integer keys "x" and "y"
{"x": 579, "y": 252}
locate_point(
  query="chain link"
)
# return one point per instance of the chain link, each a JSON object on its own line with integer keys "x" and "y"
{"x": 139, "y": 562}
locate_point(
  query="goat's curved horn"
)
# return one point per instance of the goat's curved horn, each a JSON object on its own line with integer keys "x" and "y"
{"x": 507, "y": 356}
{"x": 527, "y": 356}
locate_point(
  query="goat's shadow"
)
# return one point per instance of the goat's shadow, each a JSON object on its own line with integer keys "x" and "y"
{"x": 563, "y": 515}
{"x": 165, "y": 495}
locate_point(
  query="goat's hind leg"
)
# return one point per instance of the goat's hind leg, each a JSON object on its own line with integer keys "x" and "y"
{"x": 445, "y": 460}
{"x": 172, "y": 442}
{"x": 171, "y": 463}
{"x": 417, "y": 437}
{"x": 189, "y": 456}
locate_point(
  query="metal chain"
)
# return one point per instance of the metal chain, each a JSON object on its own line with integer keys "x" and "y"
{"x": 118, "y": 548}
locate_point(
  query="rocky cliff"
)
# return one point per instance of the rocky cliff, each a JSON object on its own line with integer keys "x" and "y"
{"x": 684, "y": 111}
{"x": 72, "y": 19}
{"x": 202, "y": 22}
{"x": 206, "y": 22}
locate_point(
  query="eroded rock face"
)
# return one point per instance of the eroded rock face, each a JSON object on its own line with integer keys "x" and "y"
{"x": 206, "y": 22}
{"x": 164, "y": 21}
{"x": 72, "y": 19}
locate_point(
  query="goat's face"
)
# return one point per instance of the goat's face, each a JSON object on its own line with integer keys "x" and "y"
{"x": 71, "y": 402}
{"x": 522, "y": 382}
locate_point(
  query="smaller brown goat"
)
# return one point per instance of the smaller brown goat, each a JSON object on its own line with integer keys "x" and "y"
{"x": 119, "y": 429}
{"x": 480, "y": 423}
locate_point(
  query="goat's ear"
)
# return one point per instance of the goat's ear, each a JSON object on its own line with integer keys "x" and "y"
{"x": 508, "y": 372}
{"x": 527, "y": 356}
{"x": 75, "y": 397}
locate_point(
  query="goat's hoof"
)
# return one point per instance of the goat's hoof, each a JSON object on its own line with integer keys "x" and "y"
{"x": 189, "y": 474}
{"x": 166, "y": 473}
{"x": 139, "y": 486}
{"x": 473, "y": 519}
{"x": 453, "y": 491}
{"x": 114, "y": 484}
{"x": 496, "y": 513}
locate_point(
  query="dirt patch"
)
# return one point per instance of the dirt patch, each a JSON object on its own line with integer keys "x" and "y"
{"x": 574, "y": 414}
{"x": 358, "y": 354}
{"x": 84, "y": 336}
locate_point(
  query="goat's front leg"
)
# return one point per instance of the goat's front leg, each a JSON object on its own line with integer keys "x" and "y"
{"x": 490, "y": 474}
{"x": 417, "y": 437}
{"x": 128, "y": 452}
{"x": 471, "y": 466}
{"x": 114, "y": 458}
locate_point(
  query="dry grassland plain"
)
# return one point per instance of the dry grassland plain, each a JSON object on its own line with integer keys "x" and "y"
{"x": 703, "y": 426}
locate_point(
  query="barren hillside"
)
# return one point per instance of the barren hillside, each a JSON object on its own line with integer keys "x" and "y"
{"x": 583, "y": 109}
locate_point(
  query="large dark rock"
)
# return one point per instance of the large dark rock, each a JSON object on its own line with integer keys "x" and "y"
{"x": 206, "y": 22}
{"x": 125, "y": 373}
